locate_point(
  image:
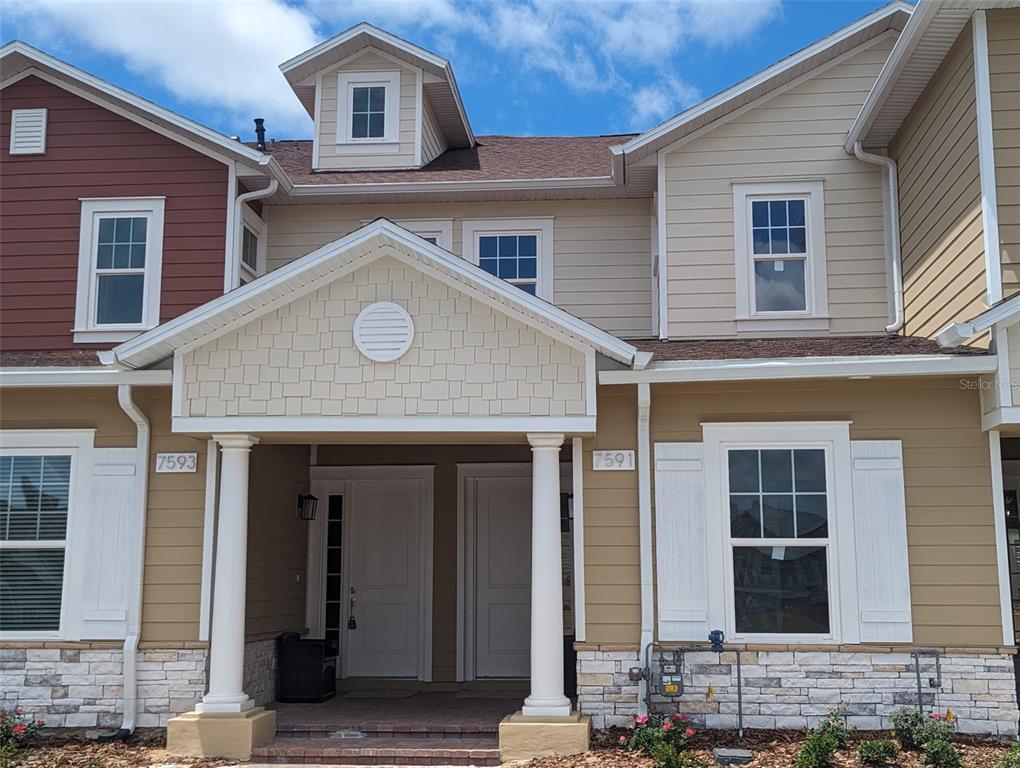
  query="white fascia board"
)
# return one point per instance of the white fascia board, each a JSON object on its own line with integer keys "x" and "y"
{"x": 755, "y": 80}
{"x": 407, "y": 424}
{"x": 959, "y": 333}
{"x": 405, "y": 187}
{"x": 912, "y": 33}
{"x": 176, "y": 333}
{"x": 804, "y": 368}
{"x": 81, "y": 377}
{"x": 135, "y": 102}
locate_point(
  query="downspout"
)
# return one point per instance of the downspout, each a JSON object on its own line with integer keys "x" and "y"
{"x": 644, "y": 407}
{"x": 894, "y": 268}
{"x": 239, "y": 202}
{"x": 134, "y": 627}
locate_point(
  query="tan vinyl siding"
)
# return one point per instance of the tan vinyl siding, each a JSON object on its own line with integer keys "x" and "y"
{"x": 1004, "y": 70}
{"x": 432, "y": 142}
{"x": 940, "y": 199}
{"x": 797, "y": 134}
{"x": 444, "y": 569}
{"x": 950, "y": 523}
{"x": 601, "y": 248}
{"x": 329, "y": 157}
{"x": 277, "y": 540}
{"x": 176, "y": 502}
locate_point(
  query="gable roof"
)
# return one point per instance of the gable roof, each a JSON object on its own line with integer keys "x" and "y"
{"x": 892, "y": 16}
{"x": 439, "y": 83}
{"x": 920, "y": 50}
{"x": 332, "y": 261}
{"x": 18, "y": 59}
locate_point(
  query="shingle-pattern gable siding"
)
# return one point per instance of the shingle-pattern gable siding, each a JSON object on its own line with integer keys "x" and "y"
{"x": 92, "y": 152}
{"x": 466, "y": 359}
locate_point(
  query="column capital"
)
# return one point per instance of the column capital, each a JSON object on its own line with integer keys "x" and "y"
{"x": 236, "y": 442}
{"x": 545, "y": 439}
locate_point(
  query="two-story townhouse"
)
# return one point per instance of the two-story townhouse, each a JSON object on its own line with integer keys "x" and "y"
{"x": 485, "y": 414}
{"x": 944, "y": 114}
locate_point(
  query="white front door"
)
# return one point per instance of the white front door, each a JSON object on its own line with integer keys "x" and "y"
{"x": 503, "y": 577}
{"x": 385, "y": 608}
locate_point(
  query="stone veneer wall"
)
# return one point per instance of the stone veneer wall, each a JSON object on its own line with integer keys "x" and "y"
{"x": 794, "y": 689}
{"x": 260, "y": 670}
{"x": 82, "y": 687}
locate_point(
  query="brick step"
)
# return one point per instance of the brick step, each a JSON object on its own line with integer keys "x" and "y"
{"x": 373, "y": 750}
{"x": 394, "y": 730}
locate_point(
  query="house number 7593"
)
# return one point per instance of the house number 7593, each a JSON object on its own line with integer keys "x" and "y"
{"x": 609, "y": 460}
{"x": 176, "y": 462}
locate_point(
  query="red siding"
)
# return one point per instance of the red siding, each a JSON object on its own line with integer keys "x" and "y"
{"x": 92, "y": 152}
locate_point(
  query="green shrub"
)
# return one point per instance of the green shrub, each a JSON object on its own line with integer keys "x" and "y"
{"x": 878, "y": 752}
{"x": 16, "y": 733}
{"x": 914, "y": 729}
{"x": 942, "y": 754}
{"x": 835, "y": 725}
{"x": 664, "y": 755}
{"x": 817, "y": 752}
{"x": 652, "y": 730}
{"x": 1012, "y": 758}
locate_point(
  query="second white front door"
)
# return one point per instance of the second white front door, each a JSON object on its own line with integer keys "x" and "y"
{"x": 386, "y": 619}
{"x": 499, "y": 509}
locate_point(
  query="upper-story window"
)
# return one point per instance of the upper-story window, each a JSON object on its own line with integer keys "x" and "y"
{"x": 120, "y": 257}
{"x": 779, "y": 234}
{"x": 368, "y": 105}
{"x": 516, "y": 250}
{"x": 253, "y": 245}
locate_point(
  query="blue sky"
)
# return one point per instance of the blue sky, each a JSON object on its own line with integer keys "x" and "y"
{"x": 525, "y": 67}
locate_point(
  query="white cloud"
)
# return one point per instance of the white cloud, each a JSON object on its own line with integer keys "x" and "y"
{"x": 651, "y": 104}
{"x": 725, "y": 23}
{"x": 216, "y": 54}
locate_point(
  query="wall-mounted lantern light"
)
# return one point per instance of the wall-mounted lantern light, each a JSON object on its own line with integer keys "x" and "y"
{"x": 307, "y": 505}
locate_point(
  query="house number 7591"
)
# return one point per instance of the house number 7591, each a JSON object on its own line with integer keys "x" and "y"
{"x": 176, "y": 462}
{"x": 608, "y": 460}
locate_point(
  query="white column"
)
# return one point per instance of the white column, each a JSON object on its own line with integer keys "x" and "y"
{"x": 546, "y": 697}
{"x": 226, "y": 656}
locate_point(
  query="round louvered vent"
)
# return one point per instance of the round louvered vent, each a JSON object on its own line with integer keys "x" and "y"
{"x": 383, "y": 331}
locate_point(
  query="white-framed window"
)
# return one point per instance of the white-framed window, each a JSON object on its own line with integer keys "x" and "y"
{"x": 368, "y": 112}
{"x": 42, "y": 481}
{"x": 120, "y": 264}
{"x": 519, "y": 251}
{"x": 253, "y": 245}
{"x": 784, "y": 504}
{"x": 436, "y": 231}
{"x": 779, "y": 237}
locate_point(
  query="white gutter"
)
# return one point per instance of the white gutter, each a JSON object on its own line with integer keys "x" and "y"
{"x": 804, "y": 368}
{"x": 959, "y": 333}
{"x": 894, "y": 267}
{"x": 240, "y": 201}
{"x": 134, "y": 628}
{"x": 81, "y": 377}
{"x": 986, "y": 160}
{"x": 644, "y": 407}
{"x": 482, "y": 185}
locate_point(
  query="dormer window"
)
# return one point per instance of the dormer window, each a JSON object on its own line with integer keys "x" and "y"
{"x": 368, "y": 111}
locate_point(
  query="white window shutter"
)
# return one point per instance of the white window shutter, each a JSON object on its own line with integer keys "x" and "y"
{"x": 28, "y": 132}
{"x": 880, "y": 538}
{"x": 681, "y": 543}
{"x": 101, "y": 549}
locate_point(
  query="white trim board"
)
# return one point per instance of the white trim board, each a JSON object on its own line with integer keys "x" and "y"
{"x": 81, "y": 377}
{"x": 396, "y": 424}
{"x": 335, "y": 480}
{"x": 804, "y": 368}
{"x": 986, "y": 159}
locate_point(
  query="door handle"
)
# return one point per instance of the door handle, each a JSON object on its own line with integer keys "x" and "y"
{"x": 352, "y": 623}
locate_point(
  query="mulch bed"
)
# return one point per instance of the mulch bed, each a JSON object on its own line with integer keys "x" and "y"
{"x": 772, "y": 749}
{"x": 73, "y": 750}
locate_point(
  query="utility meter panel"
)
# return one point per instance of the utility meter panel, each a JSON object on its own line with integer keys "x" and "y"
{"x": 667, "y": 674}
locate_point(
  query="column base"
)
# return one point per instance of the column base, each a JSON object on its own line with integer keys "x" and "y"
{"x": 207, "y": 734}
{"x": 522, "y": 737}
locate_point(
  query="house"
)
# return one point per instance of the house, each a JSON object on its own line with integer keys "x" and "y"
{"x": 477, "y": 410}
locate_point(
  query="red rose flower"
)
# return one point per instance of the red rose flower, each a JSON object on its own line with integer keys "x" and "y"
{"x": 641, "y": 719}
{"x": 18, "y": 710}
{"x": 19, "y": 729}
{"x": 937, "y": 715}
{"x": 690, "y": 731}
{"x": 40, "y": 723}
{"x": 667, "y": 725}
{"x": 623, "y": 739}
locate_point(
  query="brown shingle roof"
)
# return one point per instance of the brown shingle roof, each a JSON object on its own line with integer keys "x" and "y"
{"x": 16, "y": 358}
{"x": 494, "y": 158}
{"x": 838, "y": 346}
